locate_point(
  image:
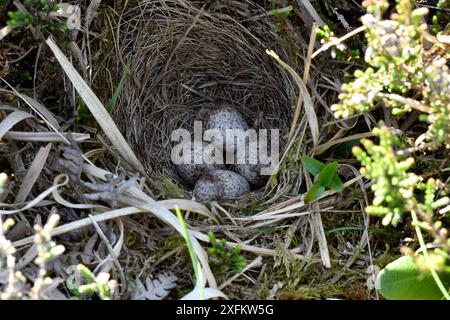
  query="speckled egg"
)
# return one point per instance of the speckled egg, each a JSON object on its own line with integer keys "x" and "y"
{"x": 191, "y": 172}
{"x": 222, "y": 116}
{"x": 221, "y": 185}
{"x": 206, "y": 189}
{"x": 233, "y": 185}
{"x": 251, "y": 171}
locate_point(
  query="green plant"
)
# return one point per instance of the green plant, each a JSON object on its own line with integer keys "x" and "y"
{"x": 397, "y": 192}
{"x": 100, "y": 285}
{"x": 38, "y": 15}
{"x": 406, "y": 70}
{"x": 440, "y": 16}
{"x": 113, "y": 101}
{"x": 19, "y": 19}
{"x": 195, "y": 263}
{"x": 403, "y": 280}
{"x": 325, "y": 177}
{"x": 392, "y": 185}
{"x": 280, "y": 16}
{"x": 400, "y": 69}
{"x": 222, "y": 258}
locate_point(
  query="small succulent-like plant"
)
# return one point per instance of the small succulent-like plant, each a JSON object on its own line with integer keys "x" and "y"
{"x": 222, "y": 258}
{"x": 91, "y": 284}
{"x": 393, "y": 185}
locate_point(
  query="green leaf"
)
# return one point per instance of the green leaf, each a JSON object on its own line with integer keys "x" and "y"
{"x": 403, "y": 280}
{"x": 312, "y": 165}
{"x": 212, "y": 238}
{"x": 113, "y": 101}
{"x": 315, "y": 192}
{"x": 327, "y": 174}
{"x": 335, "y": 184}
{"x": 344, "y": 149}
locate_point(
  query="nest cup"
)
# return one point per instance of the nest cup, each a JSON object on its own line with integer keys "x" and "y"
{"x": 183, "y": 55}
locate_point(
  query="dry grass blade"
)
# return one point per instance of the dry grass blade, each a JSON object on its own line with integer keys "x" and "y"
{"x": 42, "y": 136}
{"x": 309, "y": 107}
{"x": 62, "y": 229}
{"x": 5, "y": 31}
{"x": 316, "y": 221}
{"x": 36, "y": 201}
{"x": 321, "y": 238}
{"x": 33, "y": 173}
{"x": 312, "y": 40}
{"x": 114, "y": 252}
{"x": 187, "y": 205}
{"x": 145, "y": 203}
{"x": 270, "y": 214}
{"x": 97, "y": 109}
{"x": 324, "y": 147}
{"x": 21, "y": 96}
{"x": 113, "y": 214}
{"x": 91, "y": 12}
{"x": 42, "y": 110}
{"x": 141, "y": 207}
{"x": 183, "y": 204}
{"x": 28, "y": 257}
{"x": 209, "y": 293}
{"x": 312, "y": 12}
{"x": 11, "y": 120}
{"x": 255, "y": 263}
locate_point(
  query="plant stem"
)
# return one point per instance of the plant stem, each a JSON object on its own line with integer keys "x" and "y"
{"x": 328, "y": 45}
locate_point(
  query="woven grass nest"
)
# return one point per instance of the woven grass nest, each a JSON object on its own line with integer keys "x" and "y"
{"x": 182, "y": 55}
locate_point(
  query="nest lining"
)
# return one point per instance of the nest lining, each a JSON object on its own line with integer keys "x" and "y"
{"x": 182, "y": 57}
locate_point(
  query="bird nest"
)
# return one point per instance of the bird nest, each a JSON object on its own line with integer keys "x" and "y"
{"x": 179, "y": 56}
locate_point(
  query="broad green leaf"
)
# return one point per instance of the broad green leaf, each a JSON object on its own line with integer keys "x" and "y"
{"x": 335, "y": 183}
{"x": 327, "y": 174}
{"x": 315, "y": 192}
{"x": 402, "y": 280}
{"x": 312, "y": 165}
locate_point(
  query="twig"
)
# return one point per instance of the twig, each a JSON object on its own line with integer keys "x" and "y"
{"x": 111, "y": 252}
{"x": 254, "y": 263}
{"x": 408, "y": 101}
{"x": 269, "y": 13}
{"x": 328, "y": 45}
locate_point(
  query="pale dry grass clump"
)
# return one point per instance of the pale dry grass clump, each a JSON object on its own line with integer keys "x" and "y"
{"x": 182, "y": 55}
